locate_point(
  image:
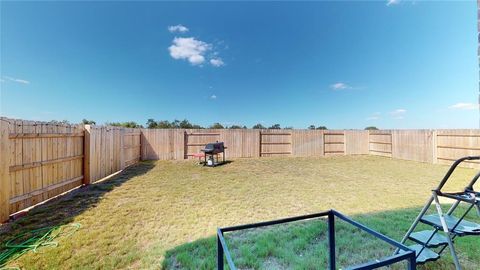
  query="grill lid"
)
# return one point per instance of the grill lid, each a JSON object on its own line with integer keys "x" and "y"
{"x": 217, "y": 147}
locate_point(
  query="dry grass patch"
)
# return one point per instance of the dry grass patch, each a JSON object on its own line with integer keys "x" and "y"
{"x": 132, "y": 220}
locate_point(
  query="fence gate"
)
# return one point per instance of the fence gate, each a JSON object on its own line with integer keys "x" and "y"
{"x": 275, "y": 143}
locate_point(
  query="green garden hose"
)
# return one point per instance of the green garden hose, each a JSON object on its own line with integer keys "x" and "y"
{"x": 32, "y": 240}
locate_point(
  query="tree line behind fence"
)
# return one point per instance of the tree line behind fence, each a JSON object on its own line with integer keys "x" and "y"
{"x": 41, "y": 160}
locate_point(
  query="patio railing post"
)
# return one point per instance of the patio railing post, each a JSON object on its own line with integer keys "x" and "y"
{"x": 331, "y": 240}
{"x": 219, "y": 254}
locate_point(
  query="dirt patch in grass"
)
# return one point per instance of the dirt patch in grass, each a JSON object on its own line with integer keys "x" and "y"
{"x": 152, "y": 215}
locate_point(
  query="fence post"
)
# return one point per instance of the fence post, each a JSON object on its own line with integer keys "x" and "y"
{"x": 87, "y": 154}
{"x": 259, "y": 143}
{"x": 122, "y": 150}
{"x": 4, "y": 171}
{"x": 434, "y": 146}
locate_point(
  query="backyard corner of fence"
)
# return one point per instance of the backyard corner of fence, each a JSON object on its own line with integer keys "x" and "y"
{"x": 41, "y": 160}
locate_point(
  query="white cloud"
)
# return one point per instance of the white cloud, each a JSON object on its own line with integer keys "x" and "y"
{"x": 398, "y": 114}
{"x": 398, "y": 111}
{"x": 213, "y": 96}
{"x": 463, "y": 106}
{"x": 217, "y": 62}
{"x": 177, "y": 28}
{"x": 393, "y": 2}
{"x": 374, "y": 116}
{"x": 22, "y": 81}
{"x": 340, "y": 86}
{"x": 189, "y": 49}
{"x": 194, "y": 51}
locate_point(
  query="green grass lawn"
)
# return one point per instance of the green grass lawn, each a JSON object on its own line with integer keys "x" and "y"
{"x": 164, "y": 214}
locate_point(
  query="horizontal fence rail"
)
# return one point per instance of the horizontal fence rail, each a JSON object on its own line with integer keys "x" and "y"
{"x": 40, "y": 160}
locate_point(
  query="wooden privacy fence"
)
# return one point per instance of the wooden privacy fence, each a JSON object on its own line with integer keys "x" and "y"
{"x": 167, "y": 144}
{"x": 40, "y": 160}
{"x": 432, "y": 146}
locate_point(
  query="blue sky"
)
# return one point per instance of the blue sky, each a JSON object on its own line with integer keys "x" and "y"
{"x": 339, "y": 64}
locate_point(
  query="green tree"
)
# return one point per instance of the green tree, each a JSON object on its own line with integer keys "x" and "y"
{"x": 63, "y": 122}
{"x": 130, "y": 124}
{"x": 275, "y": 126}
{"x": 217, "y": 126}
{"x": 185, "y": 124}
{"x": 88, "y": 122}
{"x": 371, "y": 128}
{"x": 258, "y": 126}
{"x": 311, "y": 127}
{"x": 175, "y": 123}
{"x": 288, "y": 128}
{"x": 235, "y": 127}
{"x": 151, "y": 123}
{"x": 322, "y": 128}
{"x": 164, "y": 124}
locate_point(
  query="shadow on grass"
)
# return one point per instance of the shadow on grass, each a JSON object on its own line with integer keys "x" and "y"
{"x": 303, "y": 245}
{"x": 64, "y": 209}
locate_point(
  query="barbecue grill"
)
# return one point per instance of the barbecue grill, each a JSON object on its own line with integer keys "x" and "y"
{"x": 211, "y": 151}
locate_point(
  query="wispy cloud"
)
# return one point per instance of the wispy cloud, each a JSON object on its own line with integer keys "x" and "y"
{"x": 374, "y": 116}
{"x": 344, "y": 86}
{"x": 217, "y": 62}
{"x": 17, "y": 80}
{"x": 340, "y": 86}
{"x": 393, "y": 2}
{"x": 398, "y": 114}
{"x": 177, "y": 29}
{"x": 213, "y": 96}
{"x": 398, "y": 111}
{"x": 464, "y": 106}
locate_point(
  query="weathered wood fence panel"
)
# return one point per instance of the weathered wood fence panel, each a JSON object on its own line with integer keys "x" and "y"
{"x": 274, "y": 143}
{"x": 131, "y": 147}
{"x": 307, "y": 143}
{"x": 334, "y": 142}
{"x": 41, "y": 160}
{"x": 44, "y": 160}
{"x": 241, "y": 143}
{"x": 417, "y": 145}
{"x": 163, "y": 144}
{"x": 380, "y": 143}
{"x": 452, "y": 144}
{"x": 356, "y": 142}
{"x": 109, "y": 150}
